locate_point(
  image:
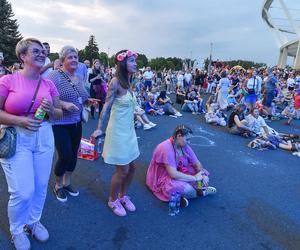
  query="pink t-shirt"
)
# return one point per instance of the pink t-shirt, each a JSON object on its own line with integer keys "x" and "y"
{"x": 19, "y": 92}
{"x": 158, "y": 179}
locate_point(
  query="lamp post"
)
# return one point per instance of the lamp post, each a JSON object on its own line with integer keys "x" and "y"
{"x": 108, "y": 57}
{"x": 210, "y": 57}
{"x": 190, "y": 67}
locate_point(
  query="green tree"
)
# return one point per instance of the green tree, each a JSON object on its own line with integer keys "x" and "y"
{"x": 245, "y": 64}
{"x": 142, "y": 61}
{"x": 53, "y": 56}
{"x": 112, "y": 61}
{"x": 103, "y": 58}
{"x": 82, "y": 55}
{"x": 91, "y": 50}
{"x": 9, "y": 34}
{"x": 161, "y": 63}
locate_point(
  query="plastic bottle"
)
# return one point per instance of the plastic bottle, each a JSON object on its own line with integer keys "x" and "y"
{"x": 172, "y": 205}
{"x": 99, "y": 145}
{"x": 178, "y": 197}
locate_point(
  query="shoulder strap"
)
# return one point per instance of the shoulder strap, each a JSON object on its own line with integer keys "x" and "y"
{"x": 254, "y": 78}
{"x": 34, "y": 96}
{"x": 69, "y": 80}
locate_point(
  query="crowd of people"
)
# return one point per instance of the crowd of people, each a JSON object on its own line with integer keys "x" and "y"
{"x": 124, "y": 98}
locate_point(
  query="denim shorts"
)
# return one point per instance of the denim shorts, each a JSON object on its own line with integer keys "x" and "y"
{"x": 148, "y": 83}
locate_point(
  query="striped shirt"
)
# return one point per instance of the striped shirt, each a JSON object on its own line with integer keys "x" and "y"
{"x": 68, "y": 93}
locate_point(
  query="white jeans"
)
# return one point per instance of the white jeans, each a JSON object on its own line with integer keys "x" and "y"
{"x": 27, "y": 175}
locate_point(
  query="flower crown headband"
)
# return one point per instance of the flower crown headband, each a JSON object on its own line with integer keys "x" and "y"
{"x": 128, "y": 53}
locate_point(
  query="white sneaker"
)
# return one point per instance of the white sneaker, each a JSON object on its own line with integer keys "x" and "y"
{"x": 178, "y": 114}
{"x": 152, "y": 124}
{"x": 21, "y": 241}
{"x": 38, "y": 231}
{"x": 210, "y": 191}
{"x": 147, "y": 126}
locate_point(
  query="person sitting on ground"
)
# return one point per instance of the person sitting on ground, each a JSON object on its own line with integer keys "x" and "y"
{"x": 165, "y": 103}
{"x": 140, "y": 116}
{"x": 237, "y": 123}
{"x": 211, "y": 84}
{"x": 180, "y": 95}
{"x": 214, "y": 115}
{"x": 263, "y": 111}
{"x": 287, "y": 96}
{"x": 297, "y": 103}
{"x": 289, "y": 112}
{"x": 151, "y": 107}
{"x": 175, "y": 167}
{"x": 231, "y": 99}
{"x": 192, "y": 103}
{"x": 257, "y": 123}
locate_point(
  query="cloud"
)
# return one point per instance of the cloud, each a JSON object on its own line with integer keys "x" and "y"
{"x": 155, "y": 28}
{"x": 74, "y": 25}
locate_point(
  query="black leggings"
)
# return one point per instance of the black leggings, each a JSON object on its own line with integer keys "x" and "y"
{"x": 67, "y": 140}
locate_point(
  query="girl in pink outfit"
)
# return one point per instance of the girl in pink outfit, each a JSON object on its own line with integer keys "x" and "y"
{"x": 175, "y": 167}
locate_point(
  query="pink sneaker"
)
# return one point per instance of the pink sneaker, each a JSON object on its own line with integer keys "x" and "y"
{"x": 117, "y": 207}
{"x": 127, "y": 203}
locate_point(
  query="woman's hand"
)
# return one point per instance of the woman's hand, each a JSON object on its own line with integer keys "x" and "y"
{"x": 29, "y": 123}
{"x": 198, "y": 176}
{"x": 96, "y": 133}
{"x": 205, "y": 180}
{"x": 47, "y": 106}
{"x": 71, "y": 107}
{"x": 92, "y": 101}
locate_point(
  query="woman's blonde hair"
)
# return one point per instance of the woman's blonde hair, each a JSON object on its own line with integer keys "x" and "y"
{"x": 23, "y": 46}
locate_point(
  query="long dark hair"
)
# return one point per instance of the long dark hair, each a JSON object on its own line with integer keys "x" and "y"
{"x": 240, "y": 108}
{"x": 121, "y": 71}
{"x": 162, "y": 94}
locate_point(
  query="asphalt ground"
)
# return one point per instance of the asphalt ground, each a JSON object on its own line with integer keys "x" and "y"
{"x": 257, "y": 205}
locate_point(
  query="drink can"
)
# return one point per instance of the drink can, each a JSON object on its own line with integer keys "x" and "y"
{"x": 40, "y": 113}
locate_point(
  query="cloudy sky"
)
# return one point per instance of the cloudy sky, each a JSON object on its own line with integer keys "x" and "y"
{"x": 155, "y": 28}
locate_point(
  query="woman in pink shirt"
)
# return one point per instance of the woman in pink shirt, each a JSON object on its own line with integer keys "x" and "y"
{"x": 175, "y": 167}
{"x": 27, "y": 172}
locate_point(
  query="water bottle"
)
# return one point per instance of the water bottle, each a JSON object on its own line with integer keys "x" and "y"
{"x": 172, "y": 205}
{"x": 99, "y": 145}
{"x": 178, "y": 197}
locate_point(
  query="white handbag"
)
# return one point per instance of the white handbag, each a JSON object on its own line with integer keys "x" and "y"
{"x": 85, "y": 113}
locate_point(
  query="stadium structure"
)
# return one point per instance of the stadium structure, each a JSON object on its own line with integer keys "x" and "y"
{"x": 283, "y": 18}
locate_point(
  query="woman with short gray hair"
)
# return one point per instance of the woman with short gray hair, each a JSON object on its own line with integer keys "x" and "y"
{"x": 67, "y": 130}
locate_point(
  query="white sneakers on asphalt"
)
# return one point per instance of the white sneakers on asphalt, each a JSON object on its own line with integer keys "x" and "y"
{"x": 21, "y": 241}
{"x": 37, "y": 231}
{"x": 149, "y": 125}
{"x": 209, "y": 191}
